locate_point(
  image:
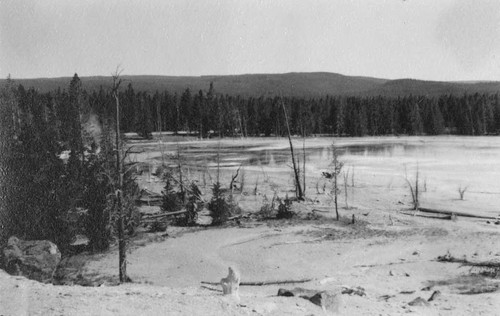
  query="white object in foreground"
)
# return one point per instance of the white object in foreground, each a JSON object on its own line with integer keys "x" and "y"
{"x": 231, "y": 283}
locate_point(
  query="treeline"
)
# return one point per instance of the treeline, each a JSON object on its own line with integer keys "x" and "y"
{"x": 58, "y": 175}
{"x": 208, "y": 113}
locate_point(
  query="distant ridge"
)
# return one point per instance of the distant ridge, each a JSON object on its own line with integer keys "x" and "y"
{"x": 315, "y": 84}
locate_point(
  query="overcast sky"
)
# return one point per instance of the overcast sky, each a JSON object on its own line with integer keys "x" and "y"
{"x": 423, "y": 39}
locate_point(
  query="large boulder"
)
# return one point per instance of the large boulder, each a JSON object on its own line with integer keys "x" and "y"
{"x": 34, "y": 259}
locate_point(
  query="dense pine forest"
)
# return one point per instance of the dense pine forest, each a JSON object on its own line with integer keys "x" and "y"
{"x": 42, "y": 195}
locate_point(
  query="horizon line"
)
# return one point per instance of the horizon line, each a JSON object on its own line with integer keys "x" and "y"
{"x": 252, "y": 74}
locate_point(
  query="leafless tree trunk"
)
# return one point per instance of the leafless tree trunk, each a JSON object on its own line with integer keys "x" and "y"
{"x": 346, "y": 177}
{"x": 414, "y": 189}
{"x": 298, "y": 187}
{"x": 333, "y": 176}
{"x": 304, "y": 160}
{"x": 162, "y": 150}
{"x": 337, "y": 167}
{"x": 181, "y": 181}
{"x": 231, "y": 184}
{"x": 122, "y": 256}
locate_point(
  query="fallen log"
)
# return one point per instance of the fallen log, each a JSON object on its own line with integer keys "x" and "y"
{"x": 320, "y": 211}
{"x": 465, "y": 262}
{"x": 163, "y": 215}
{"x": 441, "y": 216}
{"x": 210, "y": 288}
{"x": 428, "y": 210}
{"x": 261, "y": 283}
{"x": 149, "y": 202}
{"x": 238, "y": 217}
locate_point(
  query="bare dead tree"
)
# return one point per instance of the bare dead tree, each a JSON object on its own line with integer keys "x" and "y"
{"x": 352, "y": 177}
{"x": 298, "y": 188}
{"x": 233, "y": 178}
{"x": 414, "y": 189}
{"x": 160, "y": 140}
{"x": 122, "y": 255}
{"x": 242, "y": 181}
{"x": 346, "y": 177}
{"x": 179, "y": 166}
{"x": 333, "y": 176}
{"x": 304, "y": 161}
{"x": 337, "y": 168}
{"x": 461, "y": 191}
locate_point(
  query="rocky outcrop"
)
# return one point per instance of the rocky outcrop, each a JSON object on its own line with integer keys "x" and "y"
{"x": 330, "y": 301}
{"x": 34, "y": 259}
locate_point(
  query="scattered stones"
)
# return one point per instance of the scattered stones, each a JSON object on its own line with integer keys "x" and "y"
{"x": 354, "y": 291}
{"x": 34, "y": 259}
{"x": 385, "y": 297}
{"x": 406, "y": 292}
{"x": 435, "y": 295}
{"x": 419, "y": 302}
{"x": 482, "y": 288}
{"x": 298, "y": 291}
{"x": 328, "y": 300}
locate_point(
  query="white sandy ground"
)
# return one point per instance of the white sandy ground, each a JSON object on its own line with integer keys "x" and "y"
{"x": 389, "y": 255}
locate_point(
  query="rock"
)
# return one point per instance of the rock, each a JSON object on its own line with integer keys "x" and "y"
{"x": 298, "y": 291}
{"x": 231, "y": 283}
{"x": 354, "y": 291}
{"x": 328, "y": 301}
{"x": 386, "y": 297}
{"x": 434, "y": 295}
{"x": 12, "y": 256}
{"x": 34, "y": 259}
{"x": 407, "y": 292}
{"x": 419, "y": 302}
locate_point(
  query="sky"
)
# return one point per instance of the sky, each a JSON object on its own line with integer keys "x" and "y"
{"x": 446, "y": 40}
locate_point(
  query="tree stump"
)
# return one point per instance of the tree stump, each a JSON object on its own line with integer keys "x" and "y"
{"x": 231, "y": 283}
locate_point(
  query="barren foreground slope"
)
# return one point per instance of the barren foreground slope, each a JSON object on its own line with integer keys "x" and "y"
{"x": 394, "y": 263}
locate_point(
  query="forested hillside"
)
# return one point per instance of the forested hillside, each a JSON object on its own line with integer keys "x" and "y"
{"x": 299, "y": 85}
{"x": 208, "y": 111}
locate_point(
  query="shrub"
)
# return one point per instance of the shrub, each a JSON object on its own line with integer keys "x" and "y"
{"x": 219, "y": 208}
{"x": 192, "y": 206}
{"x": 284, "y": 208}
{"x": 170, "y": 200}
{"x": 158, "y": 226}
{"x": 267, "y": 209}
